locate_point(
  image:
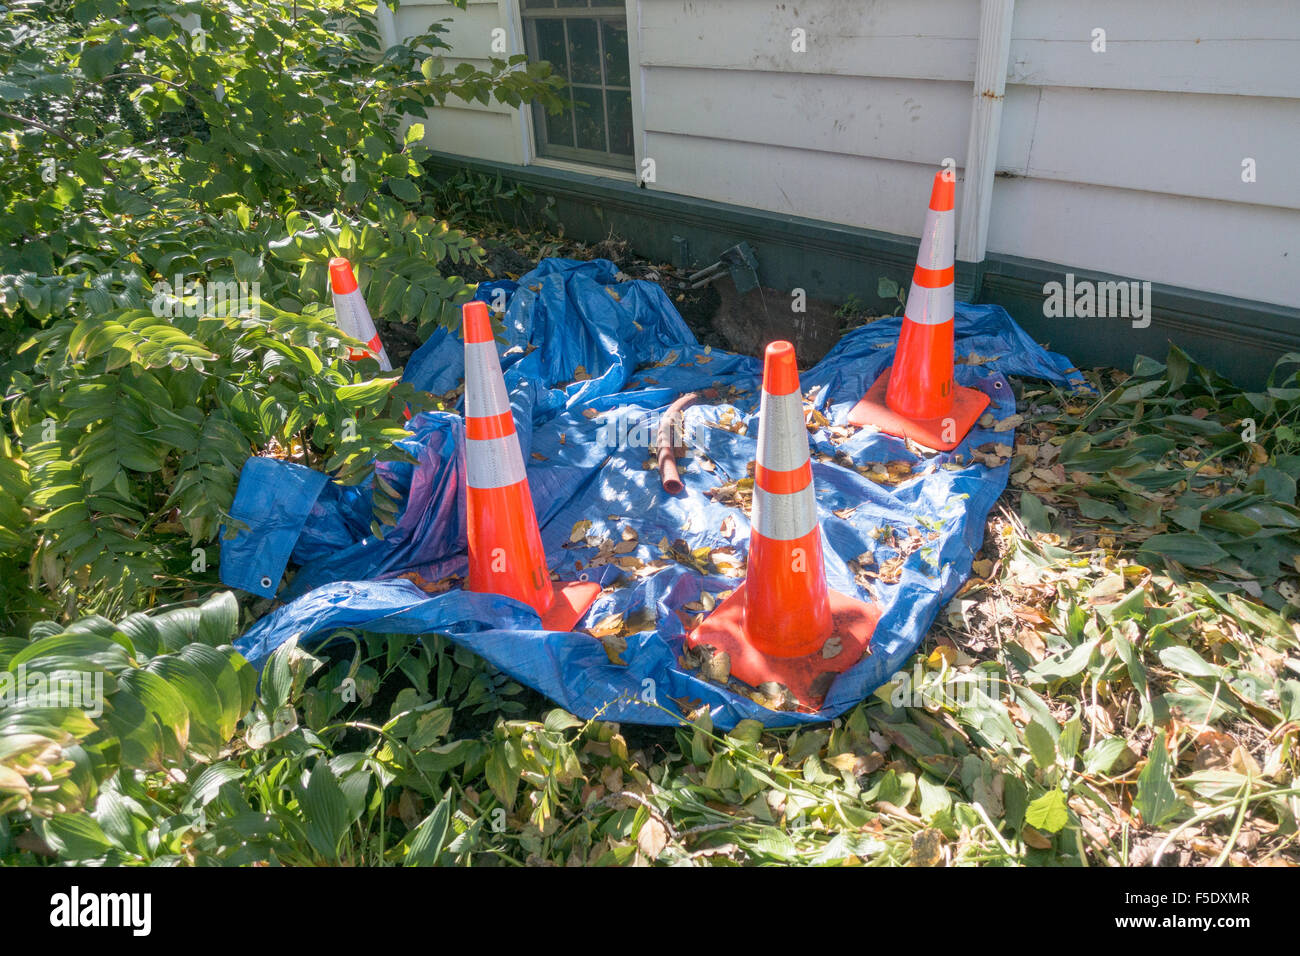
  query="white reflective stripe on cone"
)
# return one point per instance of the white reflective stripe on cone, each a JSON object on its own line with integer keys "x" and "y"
{"x": 493, "y": 462}
{"x": 367, "y": 332}
{"x": 344, "y": 314}
{"x": 784, "y": 517}
{"x": 929, "y": 306}
{"x": 938, "y": 242}
{"x": 365, "y": 326}
{"x": 782, "y": 437}
{"x": 485, "y": 387}
{"x": 353, "y": 318}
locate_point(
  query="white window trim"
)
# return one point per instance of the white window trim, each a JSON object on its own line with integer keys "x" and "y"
{"x": 587, "y": 169}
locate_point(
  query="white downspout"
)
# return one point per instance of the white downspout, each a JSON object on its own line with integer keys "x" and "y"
{"x": 514, "y": 22}
{"x": 991, "y": 62}
{"x": 387, "y": 25}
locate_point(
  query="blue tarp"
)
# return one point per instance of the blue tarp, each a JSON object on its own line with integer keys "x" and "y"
{"x": 589, "y": 363}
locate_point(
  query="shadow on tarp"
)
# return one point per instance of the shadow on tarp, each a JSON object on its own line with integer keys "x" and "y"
{"x": 626, "y": 354}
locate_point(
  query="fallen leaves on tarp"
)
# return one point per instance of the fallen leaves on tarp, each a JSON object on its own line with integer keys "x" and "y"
{"x": 433, "y": 587}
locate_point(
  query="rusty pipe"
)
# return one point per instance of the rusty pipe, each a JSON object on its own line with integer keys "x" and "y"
{"x": 670, "y": 429}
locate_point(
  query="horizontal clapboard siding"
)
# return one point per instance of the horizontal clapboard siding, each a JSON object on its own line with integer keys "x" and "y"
{"x": 1127, "y": 161}
{"x": 470, "y": 128}
{"x": 1155, "y": 236}
{"x": 1175, "y": 46}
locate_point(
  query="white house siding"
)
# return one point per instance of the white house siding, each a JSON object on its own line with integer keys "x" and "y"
{"x": 1127, "y": 161}
{"x": 469, "y": 128}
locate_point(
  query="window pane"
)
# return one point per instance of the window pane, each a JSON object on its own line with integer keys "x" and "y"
{"x": 539, "y": 4}
{"x": 550, "y": 44}
{"x": 620, "y": 121}
{"x": 559, "y": 126}
{"x": 584, "y": 51}
{"x": 617, "y": 71}
{"x": 590, "y": 118}
{"x": 572, "y": 3}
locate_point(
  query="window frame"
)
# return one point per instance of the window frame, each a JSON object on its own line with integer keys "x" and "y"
{"x": 538, "y": 145}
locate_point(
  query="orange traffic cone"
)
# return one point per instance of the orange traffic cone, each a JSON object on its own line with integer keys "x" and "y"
{"x": 505, "y": 546}
{"x": 917, "y": 397}
{"x": 352, "y": 315}
{"x": 777, "y": 625}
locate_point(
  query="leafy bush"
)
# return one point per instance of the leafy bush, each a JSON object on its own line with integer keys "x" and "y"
{"x": 390, "y": 750}
{"x": 79, "y": 703}
{"x": 334, "y": 761}
{"x": 1189, "y": 469}
{"x": 178, "y": 176}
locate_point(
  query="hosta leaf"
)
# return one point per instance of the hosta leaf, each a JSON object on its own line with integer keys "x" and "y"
{"x": 324, "y": 810}
{"x": 163, "y": 703}
{"x": 87, "y": 651}
{"x": 1156, "y": 799}
{"x": 218, "y": 619}
{"x": 199, "y": 696}
{"x": 232, "y": 679}
{"x": 1185, "y": 548}
{"x": 1187, "y": 661}
{"x": 431, "y": 835}
{"x": 76, "y": 836}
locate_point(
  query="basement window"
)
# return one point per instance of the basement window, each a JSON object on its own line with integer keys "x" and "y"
{"x": 585, "y": 41}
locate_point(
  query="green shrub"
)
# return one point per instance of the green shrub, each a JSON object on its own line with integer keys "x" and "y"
{"x": 163, "y": 154}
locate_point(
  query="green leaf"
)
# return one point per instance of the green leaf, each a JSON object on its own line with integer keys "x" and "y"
{"x": 248, "y": 268}
{"x": 77, "y": 836}
{"x": 404, "y": 189}
{"x": 1156, "y": 798}
{"x": 218, "y": 619}
{"x": 1232, "y": 522}
{"x": 277, "y": 677}
{"x": 1185, "y": 548}
{"x": 325, "y": 811}
{"x": 1068, "y": 744}
{"x": 164, "y": 703}
{"x": 1184, "y": 660}
{"x": 205, "y": 786}
{"x": 1042, "y": 747}
{"x": 1101, "y": 510}
{"x": 98, "y": 61}
{"x": 264, "y": 39}
{"x": 558, "y": 720}
{"x": 199, "y": 696}
{"x": 364, "y": 394}
{"x": 1034, "y": 513}
{"x": 1064, "y": 666}
{"x": 431, "y": 835}
{"x": 935, "y": 798}
{"x": 1048, "y": 813}
{"x": 501, "y": 777}
{"x": 747, "y": 731}
{"x": 1102, "y": 756}
{"x": 230, "y": 675}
